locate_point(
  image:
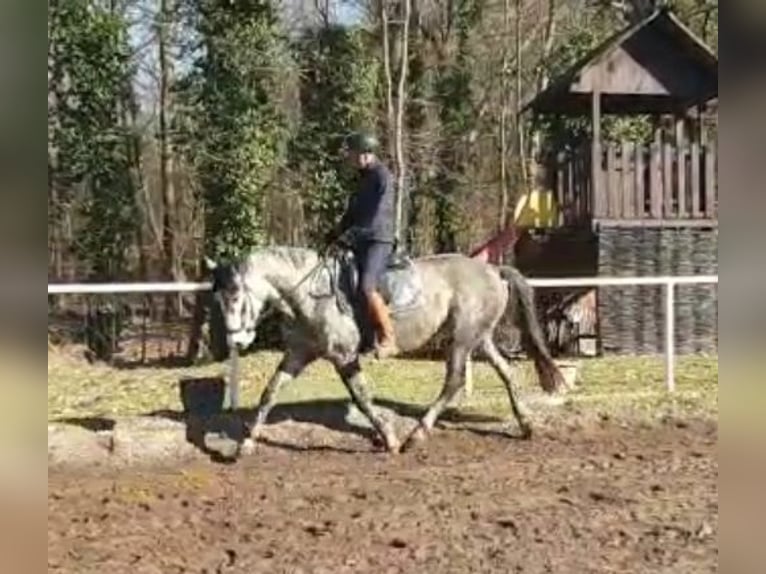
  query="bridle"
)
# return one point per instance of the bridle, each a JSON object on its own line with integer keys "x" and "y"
{"x": 248, "y": 314}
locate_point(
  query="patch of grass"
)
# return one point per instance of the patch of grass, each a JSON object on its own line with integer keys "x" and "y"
{"x": 636, "y": 385}
{"x": 619, "y": 386}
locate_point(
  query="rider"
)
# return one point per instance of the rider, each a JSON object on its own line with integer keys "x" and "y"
{"x": 367, "y": 228}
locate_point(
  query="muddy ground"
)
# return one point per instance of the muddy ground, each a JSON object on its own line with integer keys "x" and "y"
{"x": 602, "y": 497}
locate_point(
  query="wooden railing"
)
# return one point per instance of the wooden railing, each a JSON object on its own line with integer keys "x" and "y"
{"x": 639, "y": 184}
{"x": 570, "y": 179}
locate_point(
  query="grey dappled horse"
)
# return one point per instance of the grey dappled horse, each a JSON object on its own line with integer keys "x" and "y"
{"x": 461, "y": 298}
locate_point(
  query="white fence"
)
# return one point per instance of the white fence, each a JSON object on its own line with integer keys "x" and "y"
{"x": 668, "y": 283}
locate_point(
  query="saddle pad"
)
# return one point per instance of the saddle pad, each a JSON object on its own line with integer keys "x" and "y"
{"x": 401, "y": 286}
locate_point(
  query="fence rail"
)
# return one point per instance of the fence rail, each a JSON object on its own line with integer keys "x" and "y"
{"x": 192, "y": 287}
{"x": 668, "y": 283}
{"x": 123, "y": 288}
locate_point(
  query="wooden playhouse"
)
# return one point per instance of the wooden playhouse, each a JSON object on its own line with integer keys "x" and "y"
{"x": 633, "y": 208}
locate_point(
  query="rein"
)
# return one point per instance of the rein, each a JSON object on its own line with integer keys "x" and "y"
{"x": 331, "y": 265}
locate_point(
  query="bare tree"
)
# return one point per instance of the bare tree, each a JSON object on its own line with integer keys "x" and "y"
{"x": 169, "y": 204}
{"x": 323, "y": 9}
{"x": 543, "y": 78}
{"x": 401, "y": 97}
{"x": 521, "y": 140}
{"x": 55, "y": 248}
{"x": 504, "y": 100}
{"x": 388, "y": 74}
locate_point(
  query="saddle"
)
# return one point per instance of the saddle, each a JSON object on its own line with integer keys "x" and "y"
{"x": 400, "y": 285}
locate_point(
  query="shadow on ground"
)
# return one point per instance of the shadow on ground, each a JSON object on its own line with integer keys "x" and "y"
{"x": 220, "y": 434}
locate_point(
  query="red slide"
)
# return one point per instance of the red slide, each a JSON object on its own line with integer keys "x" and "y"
{"x": 491, "y": 251}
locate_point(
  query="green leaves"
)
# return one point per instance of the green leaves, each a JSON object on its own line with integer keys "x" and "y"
{"x": 338, "y": 93}
{"x": 91, "y": 74}
{"x": 454, "y": 91}
{"x": 235, "y": 128}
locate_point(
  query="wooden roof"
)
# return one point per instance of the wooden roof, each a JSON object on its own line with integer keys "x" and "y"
{"x": 653, "y": 67}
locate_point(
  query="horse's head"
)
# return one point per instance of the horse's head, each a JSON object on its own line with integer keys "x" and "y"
{"x": 241, "y": 293}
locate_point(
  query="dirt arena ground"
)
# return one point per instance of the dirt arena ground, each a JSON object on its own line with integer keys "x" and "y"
{"x": 607, "y": 496}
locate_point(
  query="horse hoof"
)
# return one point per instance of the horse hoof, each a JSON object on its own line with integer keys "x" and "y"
{"x": 248, "y": 447}
{"x": 390, "y": 445}
{"x": 379, "y": 443}
{"x": 417, "y": 437}
{"x": 526, "y": 432}
{"x": 256, "y": 433}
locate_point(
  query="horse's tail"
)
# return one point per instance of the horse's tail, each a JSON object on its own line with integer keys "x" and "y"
{"x": 551, "y": 379}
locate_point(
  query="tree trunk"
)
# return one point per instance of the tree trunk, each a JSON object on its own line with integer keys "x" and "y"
{"x": 55, "y": 199}
{"x": 133, "y": 145}
{"x": 521, "y": 139}
{"x": 504, "y": 98}
{"x": 55, "y": 247}
{"x": 543, "y": 79}
{"x": 401, "y": 96}
{"x": 418, "y": 154}
{"x": 323, "y": 8}
{"x": 388, "y": 77}
{"x": 169, "y": 207}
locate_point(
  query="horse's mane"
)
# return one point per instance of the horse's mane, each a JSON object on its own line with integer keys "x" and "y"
{"x": 262, "y": 258}
{"x": 297, "y": 257}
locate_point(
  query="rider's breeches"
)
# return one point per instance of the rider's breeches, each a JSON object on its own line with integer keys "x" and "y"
{"x": 371, "y": 259}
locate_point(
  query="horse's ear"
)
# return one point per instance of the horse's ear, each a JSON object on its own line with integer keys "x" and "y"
{"x": 210, "y": 264}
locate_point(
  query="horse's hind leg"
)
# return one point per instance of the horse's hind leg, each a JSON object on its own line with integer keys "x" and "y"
{"x": 353, "y": 378}
{"x": 503, "y": 369}
{"x": 453, "y": 382}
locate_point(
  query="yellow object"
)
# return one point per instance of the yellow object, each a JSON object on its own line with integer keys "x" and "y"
{"x": 536, "y": 208}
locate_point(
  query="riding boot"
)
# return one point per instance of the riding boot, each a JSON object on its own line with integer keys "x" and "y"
{"x": 386, "y": 344}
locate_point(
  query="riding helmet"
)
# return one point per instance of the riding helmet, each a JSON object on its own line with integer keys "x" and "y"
{"x": 360, "y": 142}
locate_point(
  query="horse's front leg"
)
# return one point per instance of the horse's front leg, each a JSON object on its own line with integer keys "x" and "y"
{"x": 354, "y": 379}
{"x": 292, "y": 364}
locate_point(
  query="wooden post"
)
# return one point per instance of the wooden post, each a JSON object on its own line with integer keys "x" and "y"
{"x": 711, "y": 182}
{"x": 628, "y": 180}
{"x": 667, "y": 180}
{"x": 681, "y": 163}
{"x": 696, "y": 181}
{"x": 608, "y": 180}
{"x": 655, "y": 181}
{"x": 584, "y": 193}
{"x": 572, "y": 204}
{"x": 680, "y": 131}
{"x": 598, "y": 199}
{"x": 640, "y": 187}
{"x": 701, "y": 134}
{"x": 681, "y": 147}
{"x": 670, "y": 336}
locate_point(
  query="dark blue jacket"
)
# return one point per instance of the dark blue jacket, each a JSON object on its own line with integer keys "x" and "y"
{"x": 371, "y": 210}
